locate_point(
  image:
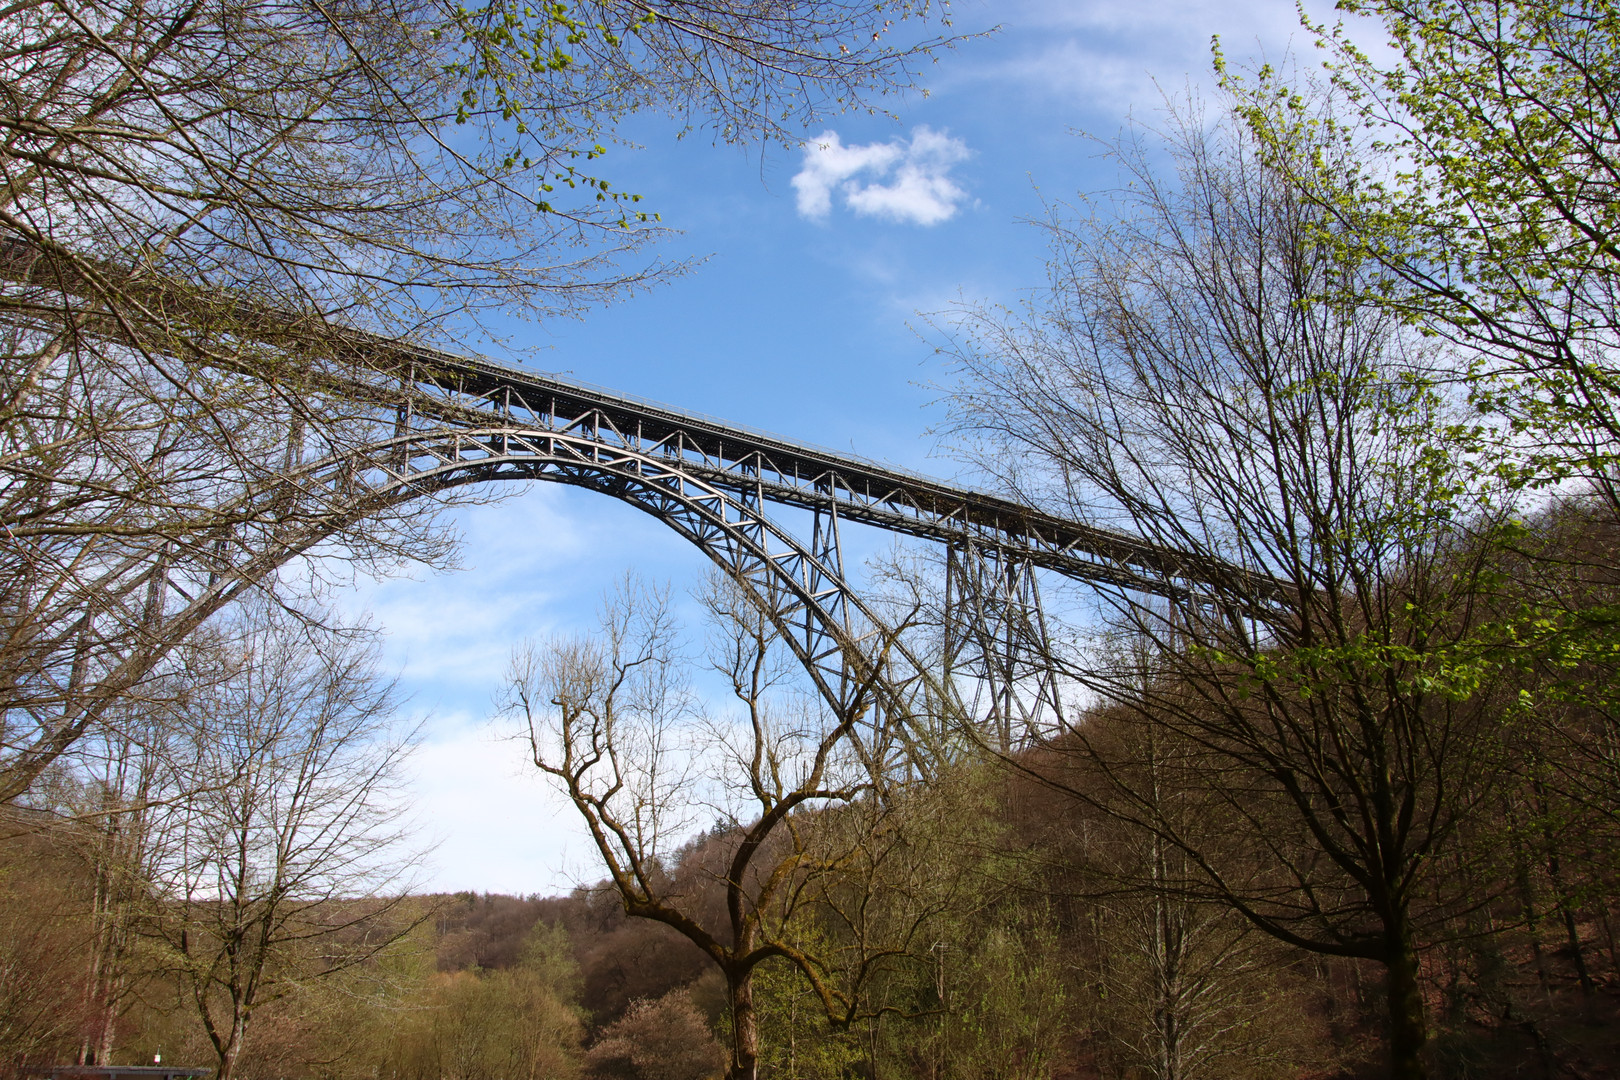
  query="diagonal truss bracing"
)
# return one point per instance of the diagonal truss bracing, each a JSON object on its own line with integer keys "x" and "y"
{"x": 428, "y": 421}
{"x": 858, "y": 663}
{"x": 457, "y": 390}
{"x": 460, "y": 421}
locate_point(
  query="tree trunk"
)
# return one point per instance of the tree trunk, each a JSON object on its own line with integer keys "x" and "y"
{"x": 744, "y": 1028}
{"x": 1572, "y": 937}
{"x": 1408, "y": 1030}
{"x": 228, "y": 1045}
{"x": 1608, "y": 934}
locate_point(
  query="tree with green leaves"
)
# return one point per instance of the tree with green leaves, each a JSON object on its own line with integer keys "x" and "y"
{"x": 1476, "y": 162}
{"x": 520, "y": 1022}
{"x": 1202, "y": 372}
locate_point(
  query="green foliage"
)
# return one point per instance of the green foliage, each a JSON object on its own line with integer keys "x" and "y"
{"x": 551, "y": 80}
{"x": 1478, "y": 170}
{"x": 981, "y": 989}
{"x": 513, "y": 63}
{"x": 1005, "y": 1006}
{"x": 795, "y": 1038}
{"x": 516, "y": 1022}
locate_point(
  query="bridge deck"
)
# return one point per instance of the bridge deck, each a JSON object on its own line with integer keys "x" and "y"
{"x": 464, "y": 390}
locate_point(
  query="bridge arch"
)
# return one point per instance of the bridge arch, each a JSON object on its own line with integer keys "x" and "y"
{"x": 855, "y": 659}
{"x": 458, "y": 421}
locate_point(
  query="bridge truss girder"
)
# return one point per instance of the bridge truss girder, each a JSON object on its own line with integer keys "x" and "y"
{"x": 459, "y": 420}
{"x": 858, "y": 663}
{"x": 997, "y": 650}
{"x": 451, "y": 391}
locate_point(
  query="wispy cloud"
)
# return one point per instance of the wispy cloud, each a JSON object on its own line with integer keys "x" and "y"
{"x": 902, "y": 180}
{"x": 1114, "y": 57}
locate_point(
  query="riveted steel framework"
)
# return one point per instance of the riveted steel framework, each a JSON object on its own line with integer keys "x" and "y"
{"x": 458, "y": 420}
{"x": 855, "y": 661}
{"x": 458, "y": 390}
{"x": 996, "y": 634}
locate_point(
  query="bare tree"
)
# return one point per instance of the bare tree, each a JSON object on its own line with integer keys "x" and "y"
{"x": 127, "y": 782}
{"x": 1187, "y": 987}
{"x": 201, "y": 199}
{"x": 1200, "y": 373}
{"x": 113, "y": 801}
{"x": 665, "y": 1039}
{"x": 799, "y": 794}
{"x": 280, "y": 869}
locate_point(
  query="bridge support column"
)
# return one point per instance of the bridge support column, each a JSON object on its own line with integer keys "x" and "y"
{"x": 998, "y": 650}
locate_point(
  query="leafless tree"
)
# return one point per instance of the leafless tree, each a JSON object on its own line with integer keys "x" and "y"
{"x": 284, "y": 867}
{"x": 800, "y": 795}
{"x": 666, "y": 1039}
{"x": 1190, "y": 375}
{"x": 202, "y": 199}
{"x": 1188, "y": 987}
{"x": 125, "y": 782}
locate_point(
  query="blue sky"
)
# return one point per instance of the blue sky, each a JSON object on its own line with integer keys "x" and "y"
{"x": 802, "y": 318}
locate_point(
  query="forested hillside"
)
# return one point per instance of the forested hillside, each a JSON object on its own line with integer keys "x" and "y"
{"x": 1036, "y": 958}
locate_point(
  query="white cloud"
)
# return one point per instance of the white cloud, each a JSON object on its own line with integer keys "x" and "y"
{"x": 900, "y": 180}
{"x": 1112, "y": 56}
{"x": 498, "y": 825}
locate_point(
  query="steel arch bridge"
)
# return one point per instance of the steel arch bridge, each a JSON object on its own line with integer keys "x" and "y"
{"x": 443, "y": 421}
{"x": 460, "y": 421}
